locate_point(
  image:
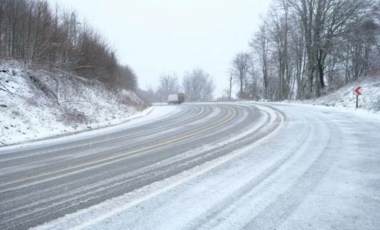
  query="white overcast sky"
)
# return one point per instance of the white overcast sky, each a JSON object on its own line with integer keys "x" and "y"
{"x": 155, "y": 37}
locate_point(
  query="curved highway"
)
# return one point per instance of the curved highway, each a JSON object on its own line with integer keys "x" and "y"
{"x": 38, "y": 184}
{"x": 202, "y": 166}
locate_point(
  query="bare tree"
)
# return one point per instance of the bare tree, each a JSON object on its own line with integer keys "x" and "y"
{"x": 305, "y": 45}
{"x": 168, "y": 85}
{"x": 241, "y": 65}
{"x": 126, "y": 77}
{"x": 198, "y": 86}
{"x": 278, "y": 25}
{"x": 230, "y": 87}
{"x": 32, "y": 32}
{"x": 253, "y": 87}
{"x": 260, "y": 46}
{"x": 324, "y": 21}
{"x": 148, "y": 94}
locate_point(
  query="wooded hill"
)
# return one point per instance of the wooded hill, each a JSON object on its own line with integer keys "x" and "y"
{"x": 33, "y": 32}
{"x": 307, "y": 48}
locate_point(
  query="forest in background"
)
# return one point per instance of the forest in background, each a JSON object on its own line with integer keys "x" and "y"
{"x": 303, "y": 49}
{"x": 197, "y": 85}
{"x": 308, "y": 48}
{"x": 36, "y": 34}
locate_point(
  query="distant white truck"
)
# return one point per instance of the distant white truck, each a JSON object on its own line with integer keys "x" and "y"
{"x": 176, "y": 99}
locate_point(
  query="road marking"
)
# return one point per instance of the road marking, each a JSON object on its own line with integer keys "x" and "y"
{"x": 169, "y": 183}
{"x": 231, "y": 114}
{"x": 182, "y": 117}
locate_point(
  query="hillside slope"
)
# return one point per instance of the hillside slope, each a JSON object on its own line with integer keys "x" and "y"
{"x": 36, "y": 104}
{"x": 345, "y": 97}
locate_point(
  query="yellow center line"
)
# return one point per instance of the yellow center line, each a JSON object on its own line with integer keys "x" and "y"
{"x": 230, "y": 116}
{"x": 104, "y": 140}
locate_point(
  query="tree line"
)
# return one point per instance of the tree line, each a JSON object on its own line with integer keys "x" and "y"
{"x": 34, "y": 33}
{"x": 197, "y": 85}
{"x": 306, "y": 48}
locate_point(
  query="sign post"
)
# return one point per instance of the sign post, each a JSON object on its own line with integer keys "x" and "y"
{"x": 358, "y": 92}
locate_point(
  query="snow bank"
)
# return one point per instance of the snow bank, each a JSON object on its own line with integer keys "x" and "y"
{"x": 36, "y": 104}
{"x": 345, "y": 97}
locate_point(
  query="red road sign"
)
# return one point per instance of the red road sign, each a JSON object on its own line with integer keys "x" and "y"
{"x": 358, "y": 90}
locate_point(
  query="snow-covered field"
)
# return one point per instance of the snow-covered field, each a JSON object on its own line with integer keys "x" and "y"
{"x": 345, "y": 97}
{"x": 35, "y": 104}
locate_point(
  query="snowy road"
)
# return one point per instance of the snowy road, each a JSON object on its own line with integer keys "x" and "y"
{"x": 203, "y": 166}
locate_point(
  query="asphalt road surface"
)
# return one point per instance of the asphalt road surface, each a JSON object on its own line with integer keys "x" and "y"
{"x": 296, "y": 167}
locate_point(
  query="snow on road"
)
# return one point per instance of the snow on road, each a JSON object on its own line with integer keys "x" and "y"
{"x": 320, "y": 170}
{"x": 139, "y": 118}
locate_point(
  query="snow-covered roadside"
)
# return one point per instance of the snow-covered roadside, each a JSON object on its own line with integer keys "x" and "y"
{"x": 148, "y": 115}
{"x": 345, "y": 97}
{"x": 36, "y": 104}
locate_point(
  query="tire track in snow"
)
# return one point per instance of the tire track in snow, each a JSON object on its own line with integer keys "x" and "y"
{"x": 182, "y": 116}
{"x": 84, "y": 201}
{"x": 285, "y": 204}
{"x": 107, "y": 159}
{"x": 75, "y": 153}
{"x": 244, "y": 140}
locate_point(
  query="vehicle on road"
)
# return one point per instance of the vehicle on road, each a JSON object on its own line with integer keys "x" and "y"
{"x": 176, "y": 99}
